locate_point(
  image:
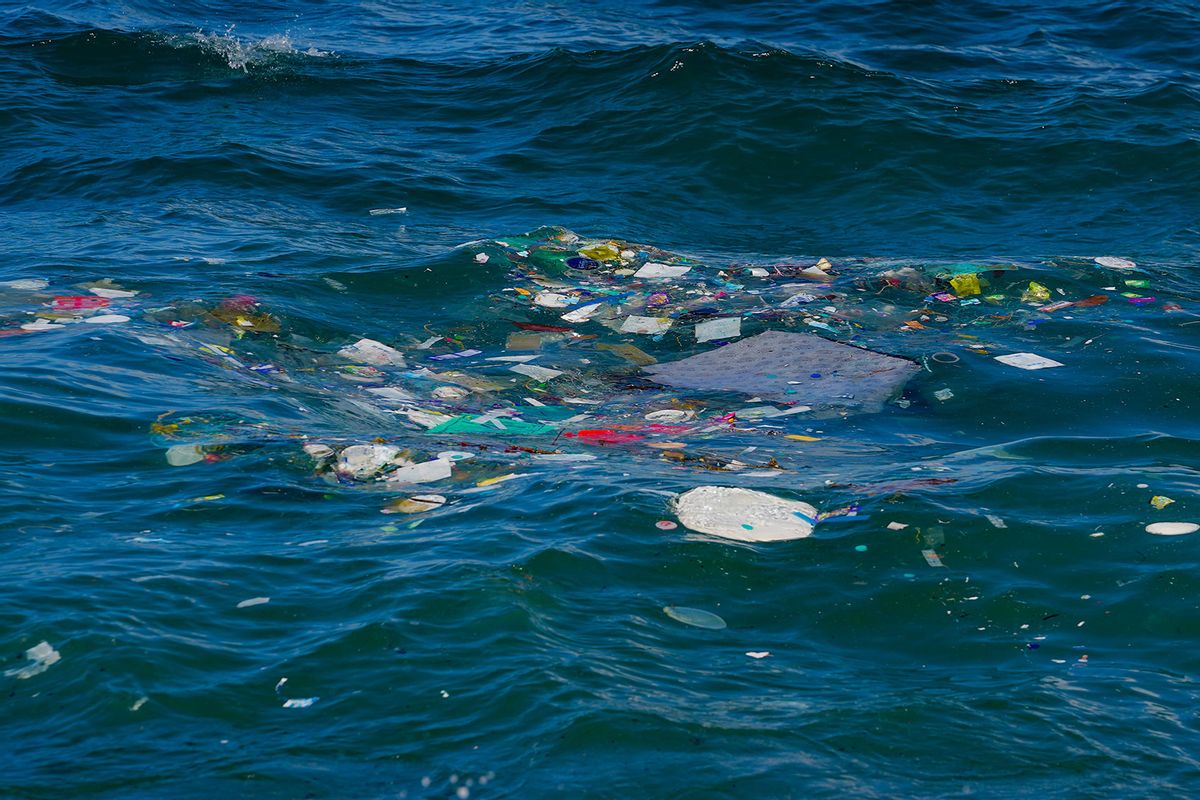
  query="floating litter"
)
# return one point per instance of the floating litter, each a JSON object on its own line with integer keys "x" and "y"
{"x": 300, "y": 702}
{"x": 181, "y": 455}
{"x": 44, "y": 656}
{"x": 758, "y": 653}
{"x": 416, "y": 504}
{"x": 665, "y": 525}
{"x": 254, "y": 601}
{"x": 744, "y": 514}
{"x": 694, "y": 617}
{"x": 107, "y": 319}
{"x": 1028, "y": 361}
{"x": 1114, "y": 262}
{"x": 1172, "y": 528}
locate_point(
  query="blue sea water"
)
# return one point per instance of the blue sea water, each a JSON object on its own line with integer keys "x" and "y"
{"x": 329, "y": 160}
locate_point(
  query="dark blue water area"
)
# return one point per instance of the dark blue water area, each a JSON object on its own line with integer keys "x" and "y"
{"x": 238, "y": 192}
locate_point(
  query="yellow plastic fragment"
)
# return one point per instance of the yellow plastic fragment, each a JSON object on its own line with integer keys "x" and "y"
{"x": 1036, "y": 293}
{"x": 800, "y": 438}
{"x": 965, "y": 285}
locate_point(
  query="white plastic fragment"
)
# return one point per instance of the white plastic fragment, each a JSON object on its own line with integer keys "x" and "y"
{"x": 481, "y": 258}
{"x": 107, "y": 319}
{"x": 694, "y": 617}
{"x": 300, "y": 702}
{"x": 112, "y": 294}
{"x": 896, "y": 526}
{"x": 1114, "y": 262}
{"x": 364, "y": 460}
{"x": 27, "y": 284}
{"x": 669, "y": 415}
{"x": 435, "y": 470}
{"x": 1172, "y": 528}
{"x": 648, "y": 325}
{"x": 758, "y": 653}
{"x": 552, "y": 300}
{"x": 43, "y": 657}
{"x": 1028, "y": 361}
{"x": 369, "y": 351}
{"x": 379, "y": 212}
{"x": 181, "y": 455}
{"x": 537, "y": 373}
{"x": 996, "y": 521}
{"x": 319, "y": 452}
{"x": 744, "y": 515}
{"x": 932, "y": 558}
{"x": 721, "y": 328}
{"x": 254, "y": 601}
{"x": 582, "y": 313}
{"x": 450, "y": 392}
{"x": 653, "y": 269}
{"x": 42, "y": 325}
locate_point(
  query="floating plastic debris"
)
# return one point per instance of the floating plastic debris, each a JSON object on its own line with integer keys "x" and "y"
{"x": 181, "y": 455}
{"x": 1172, "y": 528}
{"x": 369, "y": 351}
{"x": 722, "y": 328}
{"x": 254, "y": 601}
{"x": 792, "y": 367}
{"x": 1114, "y": 262}
{"x": 1160, "y": 502}
{"x": 744, "y": 515}
{"x": 1028, "y": 361}
{"x": 43, "y": 657}
{"x": 694, "y": 617}
{"x": 417, "y": 504}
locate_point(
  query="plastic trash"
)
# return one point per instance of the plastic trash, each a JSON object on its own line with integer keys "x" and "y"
{"x": 417, "y": 504}
{"x": 300, "y": 702}
{"x": 965, "y": 285}
{"x": 364, "y": 460}
{"x": 181, "y": 455}
{"x": 369, "y": 351}
{"x": 645, "y": 325}
{"x": 254, "y": 601}
{"x": 792, "y": 367}
{"x": 694, "y": 617}
{"x": 721, "y": 328}
{"x": 26, "y": 284}
{"x": 1113, "y": 262}
{"x": 1036, "y": 293}
{"x": 42, "y": 656}
{"x": 534, "y": 371}
{"x": 932, "y": 558}
{"x": 654, "y": 270}
{"x": 425, "y": 472}
{"x": 1160, "y": 502}
{"x": 1028, "y": 361}
{"x": 744, "y": 515}
{"x": 1172, "y": 528}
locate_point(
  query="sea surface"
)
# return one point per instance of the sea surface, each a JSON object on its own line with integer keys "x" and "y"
{"x": 332, "y": 170}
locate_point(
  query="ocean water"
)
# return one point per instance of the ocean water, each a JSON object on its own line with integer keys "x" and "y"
{"x": 339, "y": 166}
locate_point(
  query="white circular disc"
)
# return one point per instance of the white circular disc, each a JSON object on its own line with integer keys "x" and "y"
{"x": 1172, "y": 528}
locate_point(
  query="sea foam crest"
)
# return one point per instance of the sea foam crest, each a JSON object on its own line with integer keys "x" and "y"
{"x": 245, "y": 54}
